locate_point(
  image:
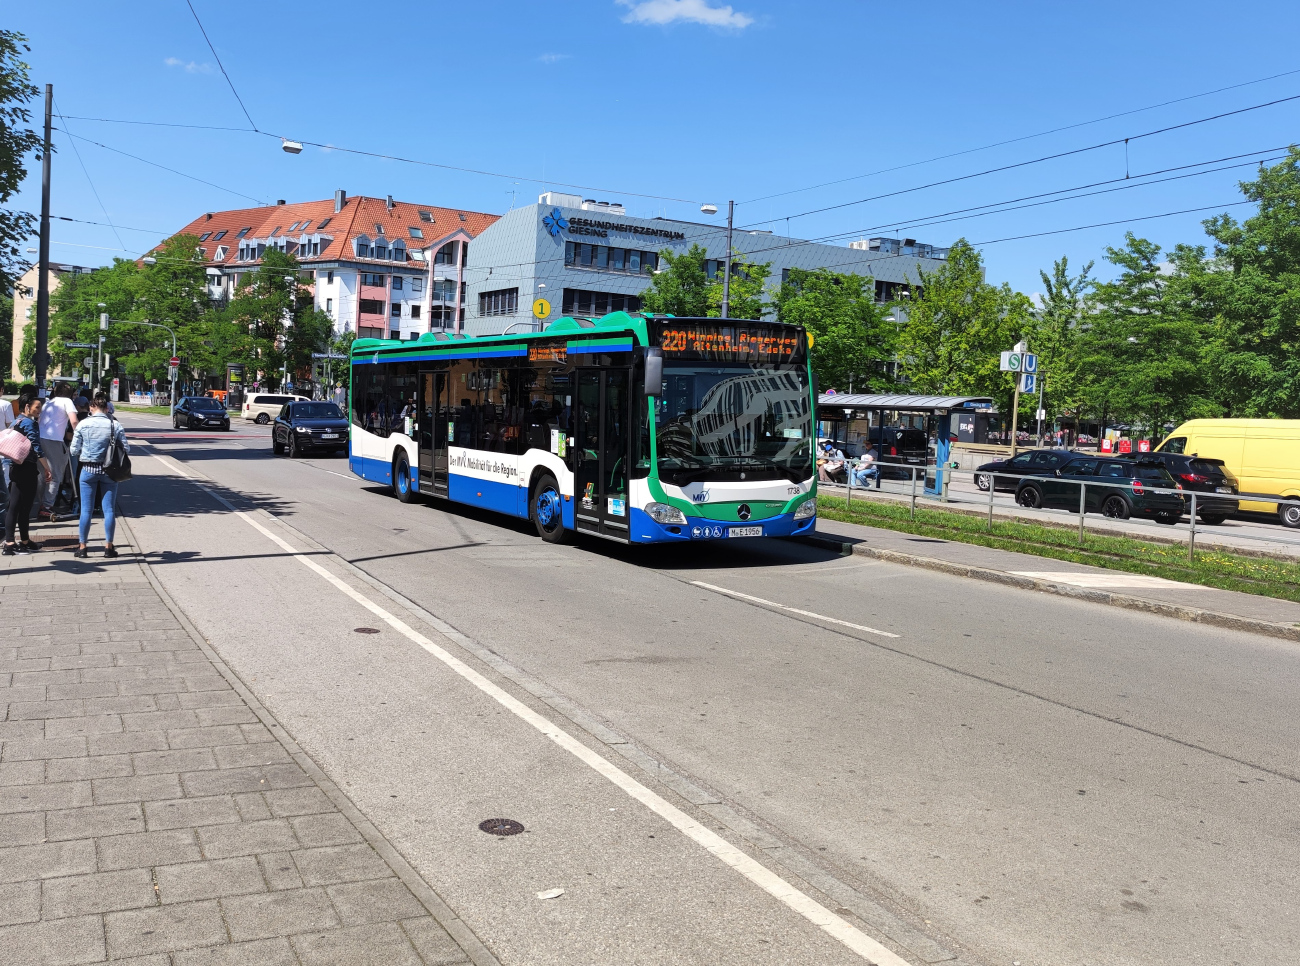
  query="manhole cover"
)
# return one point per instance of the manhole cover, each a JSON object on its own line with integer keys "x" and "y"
{"x": 365, "y": 630}
{"x": 500, "y": 826}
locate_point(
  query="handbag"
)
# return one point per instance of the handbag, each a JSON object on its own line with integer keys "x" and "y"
{"x": 117, "y": 463}
{"x": 15, "y": 445}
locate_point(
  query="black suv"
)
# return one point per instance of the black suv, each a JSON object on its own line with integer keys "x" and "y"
{"x": 1210, "y": 479}
{"x": 200, "y": 412}
{"x": 303, "y": 426}
{"x": 1037, "y": 462}
{"x": 1115, "y": 487}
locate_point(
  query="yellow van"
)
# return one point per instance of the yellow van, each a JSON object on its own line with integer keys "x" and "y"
{"x": 1264, "y": 455}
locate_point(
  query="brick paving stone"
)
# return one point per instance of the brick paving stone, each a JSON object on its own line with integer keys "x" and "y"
{"x": 259, "y": 952}
{"x": 385, "y": 900}
{"x": 224, "y": 781}
{"x": 82, "y": 769}
{"x": 24, "y": 828}
{"x": 298, "y": 801}
{"x": 239, "y": 756}
{"x": 23, "y": 710}
{"x": 22, "y": 772}
{"x": 279, "y": 871}
{"x": 376, "y": 944}
{"x": 278, "y": 914}
{"x": 94, "y": 689}
{"x": 252, "y": 806}
{"x": 190, "y": 812}
{"x": 11, "y": 731}
{"x": 210, "y": 880}
{"x": 38, "y": 748}
{"x": 189, "y": 925}
{"x": 122, "y": 704}
{"x": 231, "y": 714}
{"x": 34, "y": 693}
{"x": 160, "y": 721}
{"x": 205, "y": 737}
{"x": 96, "y": 724}
{"x": 147, "y": 849}
{"x": 85, "y": 823}
{"x": 433, "y": 943}
{"x": 212, "y": 699}
{"x": 255, "y": 732}
{"x": 44, "y": 860}
{"x": 340, "y": 863}
{"x": 191, "y": 759}
{"x": 317, "y": 830}
{"x": 60, "y": 942}
{"x": 128, "y": 743}
{"x": 20, "y": 902}
{"x": 38, "y": 798}
{"x": 137, "y": 788}
{"x": 85, "y": 895}
{"x": 247, "y": 838}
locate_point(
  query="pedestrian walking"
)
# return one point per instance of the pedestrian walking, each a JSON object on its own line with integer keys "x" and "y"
{"x": 57, "y": 415}
{"x": 91, "y": 445}
{"x": 23, "y": 476}
{"x": 7, "y": 418}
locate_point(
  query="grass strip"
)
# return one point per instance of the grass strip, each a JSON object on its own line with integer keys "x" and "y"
{"x": 156, "y": 410}
{"x": 1211, "y": 568}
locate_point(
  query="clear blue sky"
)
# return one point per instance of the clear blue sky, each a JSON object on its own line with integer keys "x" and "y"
{"x": 687, "y": 99}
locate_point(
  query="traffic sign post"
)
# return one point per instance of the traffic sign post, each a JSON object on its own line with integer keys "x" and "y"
{"x": 541, "y": 309}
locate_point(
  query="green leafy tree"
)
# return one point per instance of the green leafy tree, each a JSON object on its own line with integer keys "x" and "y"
{"x": 1247, "y": 294}
{"x": 1061, "y": 325}
{"x": 958, "y": 325}
{"x": 683, "y": 288}
{"x": 6, "y": 334}
{"x": 852, "y": 337}
{"x": 279, "y": 323}
{"x": 17, "y": 140}
{"x": 1142, "y": 351}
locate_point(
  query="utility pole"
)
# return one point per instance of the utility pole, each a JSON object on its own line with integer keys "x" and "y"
{"x": 726, "y": 278}
{"x": 43, "y": 264}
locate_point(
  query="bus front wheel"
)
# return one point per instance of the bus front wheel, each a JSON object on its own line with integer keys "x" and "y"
{"x": 547, "y": 510}
{"x": 402, "y": 488}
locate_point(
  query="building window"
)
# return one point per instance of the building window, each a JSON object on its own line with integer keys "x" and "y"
{"x": 397, "y": 283}
{"x": 444, "y": 290}
{"x": 501, "y": 302}
{"x": 205, "y": 236}
{"x": 369, "y": 332}
{"x": 329, "y": 278}
{"x": 399, "y": 251}
{"x": 379, "y": 229}
{"x": 244, "y": 231}
{"x": 396, "y": 310}
{"x": 368, "y": 279}
{"x": 603, "y": 258}
{"x": 363, "y": 246}
{"x": 275, "y": 231}
{"x": 417, "y": 284}
{"x": 416, "y": 232}
{"x": 321, "y": 226}
{"x": 381, "y": 249}
{"x": 219, "y": 235}
{"x": 303, "y": 226}
{"x": 581, "y": 302}
{"x": 427, "y": 216}
{"x": 440, "y": 316}
{"x": 415, "y": 312}
{"x": 329, "y": 308}
{"x": 372, "y": 307}
{"x": 446, "y": 254}
{"x": 294, "y": 226}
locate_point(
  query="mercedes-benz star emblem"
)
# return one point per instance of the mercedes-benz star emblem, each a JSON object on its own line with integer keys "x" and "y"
{"x": 742, "y": 511}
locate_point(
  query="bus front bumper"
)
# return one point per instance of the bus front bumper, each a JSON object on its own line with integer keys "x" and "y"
{"x": 646, "y": 530}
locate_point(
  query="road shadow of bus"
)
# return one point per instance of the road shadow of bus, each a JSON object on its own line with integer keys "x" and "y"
{"x": 174, "y": 496}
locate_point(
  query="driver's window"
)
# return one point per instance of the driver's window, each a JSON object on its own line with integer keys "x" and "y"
{"x": 284, "y": 412}
{"x": 1022, "y": 461}
{"x": 1175, "y": 444}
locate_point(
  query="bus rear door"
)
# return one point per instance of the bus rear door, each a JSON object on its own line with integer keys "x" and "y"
{"x": 600, "y": 453}
{"x": 433, "y": 432}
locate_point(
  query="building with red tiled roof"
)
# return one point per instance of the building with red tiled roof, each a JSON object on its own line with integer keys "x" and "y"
{"x": 380, "y": 268}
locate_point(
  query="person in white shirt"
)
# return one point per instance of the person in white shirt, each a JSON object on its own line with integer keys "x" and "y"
{"x": 58, "y": 413}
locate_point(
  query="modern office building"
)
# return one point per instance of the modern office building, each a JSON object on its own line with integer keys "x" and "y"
{"x": 588, "y": 258}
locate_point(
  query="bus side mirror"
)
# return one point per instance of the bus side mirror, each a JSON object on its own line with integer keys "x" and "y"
{"x": 654, "y": 372}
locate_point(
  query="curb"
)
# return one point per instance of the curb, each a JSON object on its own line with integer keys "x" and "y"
{"x": 433, "y": 903}
{"x": 1195, "y": 615}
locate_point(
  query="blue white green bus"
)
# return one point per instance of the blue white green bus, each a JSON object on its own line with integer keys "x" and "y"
{"x": 639, "y": 429}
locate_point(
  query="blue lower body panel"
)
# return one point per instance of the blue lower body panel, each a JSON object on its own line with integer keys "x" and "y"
{"x": 646, "y": 530}
{"x": 376, "y": 471}
{"x": 501, "y": 497}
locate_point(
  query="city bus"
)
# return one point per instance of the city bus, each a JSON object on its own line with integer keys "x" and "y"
{"x": 638, "y": 429}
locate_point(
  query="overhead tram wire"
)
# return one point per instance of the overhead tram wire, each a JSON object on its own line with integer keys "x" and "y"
{"x": 86, "y": 172}
{"x": 221, "y": 65}
{"x": 1021, "y": 164}
{"x": 1016, "y": 140}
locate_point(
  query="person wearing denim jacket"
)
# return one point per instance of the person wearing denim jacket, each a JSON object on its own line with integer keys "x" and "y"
{"x": 91, "y": 444}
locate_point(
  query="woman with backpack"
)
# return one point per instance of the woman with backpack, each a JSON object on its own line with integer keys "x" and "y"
{"x": 92, "y": 445}
{"x": 23, "y": 482}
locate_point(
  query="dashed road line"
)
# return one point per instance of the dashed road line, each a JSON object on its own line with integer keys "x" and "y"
{"x": 791, "y": 610}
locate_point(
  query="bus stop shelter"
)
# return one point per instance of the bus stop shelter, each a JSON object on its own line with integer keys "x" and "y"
{"x": 940, "y": 416}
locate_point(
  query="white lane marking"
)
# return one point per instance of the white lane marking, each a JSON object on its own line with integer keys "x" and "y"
{"x": 1114, "y": 579}
{"x": 763, "y": 877}
{"x": 793, "y": 610}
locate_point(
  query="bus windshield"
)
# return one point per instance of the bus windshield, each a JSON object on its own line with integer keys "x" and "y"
{"x": 734, "y": 421}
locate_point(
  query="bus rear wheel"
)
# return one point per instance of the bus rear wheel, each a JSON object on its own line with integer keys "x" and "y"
{"x": 402, "y": 488}
{"x": 547, "y": 510}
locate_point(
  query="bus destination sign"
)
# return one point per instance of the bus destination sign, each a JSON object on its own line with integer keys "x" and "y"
{"x": 742, "y": 342}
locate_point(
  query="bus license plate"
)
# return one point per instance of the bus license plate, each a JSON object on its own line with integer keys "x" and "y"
{"x": 744, "y": 531}
{"x": 1223, "y": 489}
{"x": 329, "y": 435}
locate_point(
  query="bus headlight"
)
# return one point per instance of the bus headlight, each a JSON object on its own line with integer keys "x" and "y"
{"x": 663, "y": 513}
{"x": 806, "y": 509}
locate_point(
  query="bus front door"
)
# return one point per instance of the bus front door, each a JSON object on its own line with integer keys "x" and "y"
{"x": 601, "y": 445}
{"x": 433, "y": 432}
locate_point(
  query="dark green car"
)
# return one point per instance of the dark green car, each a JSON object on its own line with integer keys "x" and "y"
{"x": 1115, "y": 488}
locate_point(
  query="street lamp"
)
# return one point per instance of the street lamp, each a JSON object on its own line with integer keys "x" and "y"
{"x": 149, "y": 260}
{"x": 709, "y": 209}
{"x": 290, "y": 147}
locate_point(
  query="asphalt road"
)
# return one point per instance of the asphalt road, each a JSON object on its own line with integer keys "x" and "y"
{"x": 1011, "y": 778}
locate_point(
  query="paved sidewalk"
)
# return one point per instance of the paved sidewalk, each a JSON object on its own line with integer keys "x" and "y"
{"x": 148, "y": 814}
{"x": 1224, "y": 608}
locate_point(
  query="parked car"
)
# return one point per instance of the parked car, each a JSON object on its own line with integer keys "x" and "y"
{"x": 200, "y": 412}
{"x": 304, "y": 426}
{"x": 1037, "y": 462}
{"x": 1115, "y": 487}
{"x": 262, "y": 407}
{"x": 1208, "y": 478}
{"x": 1262, "y": 454}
